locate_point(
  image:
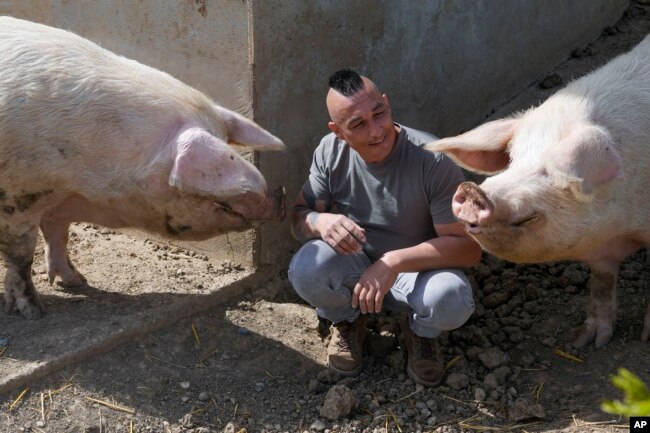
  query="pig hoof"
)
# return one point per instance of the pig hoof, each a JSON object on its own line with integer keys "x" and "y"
{"x": 28, "y": 310}
{"x": 583, "y": 339}
{"x": 602, "y": 339}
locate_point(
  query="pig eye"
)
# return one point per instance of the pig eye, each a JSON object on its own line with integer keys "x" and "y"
{"x": 525, "y": 221}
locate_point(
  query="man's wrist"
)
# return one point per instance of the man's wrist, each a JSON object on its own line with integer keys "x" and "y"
{"x": 391, "y": 260}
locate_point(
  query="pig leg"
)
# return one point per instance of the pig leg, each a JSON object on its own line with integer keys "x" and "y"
{"x": 601, "y": 309}
{"x": 55, "y": 233}
{"x": 17, "y": 249}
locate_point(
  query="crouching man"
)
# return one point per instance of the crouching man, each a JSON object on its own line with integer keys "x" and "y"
{"x": 375, "y": 215}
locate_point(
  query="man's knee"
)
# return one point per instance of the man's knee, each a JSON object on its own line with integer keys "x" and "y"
{"x": 448, "y": 301}
{"x": 457, "y": 303}
{"x": 308, "y": 267}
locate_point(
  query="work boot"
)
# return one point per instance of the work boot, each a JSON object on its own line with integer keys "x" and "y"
{"x": 344, "y": 351}
{"x": 424, "y": 364}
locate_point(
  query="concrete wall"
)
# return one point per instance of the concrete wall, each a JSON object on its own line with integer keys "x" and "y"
{"x": 203, "y": 43}
{"x": 444, "y": 65}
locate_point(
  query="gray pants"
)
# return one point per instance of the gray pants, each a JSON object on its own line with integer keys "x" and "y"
{"x": 436, "y": 301}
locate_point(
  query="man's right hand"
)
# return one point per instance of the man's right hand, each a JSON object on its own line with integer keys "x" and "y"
{"x": 317, "y": 219}
{"x": 340, "y": 232}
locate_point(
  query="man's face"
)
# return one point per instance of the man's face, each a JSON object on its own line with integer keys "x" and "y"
{"x": 364, "y": 121}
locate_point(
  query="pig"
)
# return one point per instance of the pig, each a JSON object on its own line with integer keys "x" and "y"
{"x": 569, "y": 181}
{"x": 89, "y": 136}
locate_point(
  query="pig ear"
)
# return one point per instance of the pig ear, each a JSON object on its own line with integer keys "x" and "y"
{"x": 483, "y": 149}
{"x": 248, "y": 133}
{"x": 206, "y": 166}
{"x": 585, "y": 160}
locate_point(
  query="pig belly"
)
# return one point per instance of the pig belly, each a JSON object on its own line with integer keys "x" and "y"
{"x": 55, "y": 224}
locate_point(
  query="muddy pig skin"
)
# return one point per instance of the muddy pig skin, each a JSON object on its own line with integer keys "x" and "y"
{"x": 571, "y": 181}
{"x": 86, "y": 135}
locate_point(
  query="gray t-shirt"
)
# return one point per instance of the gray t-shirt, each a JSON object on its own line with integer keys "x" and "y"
{"x": 396, "y": 201}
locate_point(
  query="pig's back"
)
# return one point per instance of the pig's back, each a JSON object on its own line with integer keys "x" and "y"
{"x": 65, "y": 101}
{"x": 617, "y": 97}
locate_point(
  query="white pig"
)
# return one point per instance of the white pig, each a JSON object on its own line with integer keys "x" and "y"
{"x": 86, "y": 135}
{"x": 573, "y": 181}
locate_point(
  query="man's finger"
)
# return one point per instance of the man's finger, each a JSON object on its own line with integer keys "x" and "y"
{"x": 339, "y": 243}
{"x": 379, "y": 300}
{"x": 357, "y": 232}
{"x": 370, "y": 301}
{"x": 355, "y": 295}
{"x": 362, "y": 300}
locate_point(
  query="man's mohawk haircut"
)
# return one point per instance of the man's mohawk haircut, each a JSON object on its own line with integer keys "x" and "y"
{"x": 346, "y": 81}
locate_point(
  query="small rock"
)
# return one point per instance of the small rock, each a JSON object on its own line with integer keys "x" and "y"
{"x": 479, "y": 394}
{"x": 243, "y": 331}
{"x": 40, "y": 423}
{"x": 521, "y": 410}
{"x": 327, "y": 376}
{"x": 396, "y": 360}
{"x": 3, "y": 342}
{"x": 457, "y": 381}
{"x": 549, "y": 342}
{"x": 259, "y": 387}
{"x": 551, "y": 81}
{"x": 230, "y": 428}
{"x": 580, "y": 52}
{"x": 317, "y": 425}
{"x": 339, "y": 402}
{"x": 185, "y": 385}
{"x": 493, "y": 357}
{"x": 204, "y": 396}
{"x": 184, "y": 399}
{"x": 502, "y": 373}
{"x": 313, "y": 386}
{"x": 496, "y": 299}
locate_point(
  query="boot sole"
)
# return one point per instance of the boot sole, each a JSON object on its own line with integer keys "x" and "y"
{"x": 346, "y": 373}
{"x": 411, "y": 374}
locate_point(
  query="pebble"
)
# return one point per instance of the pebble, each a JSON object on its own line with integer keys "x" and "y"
{"x": 204, "y": 396}
{"x": 339, "y": 402}
{"x": 243, "y": 331}
{"x": 184, "y": 399}
{"x": 493, "y": 357}
{"x": 185, "y": 385}
{"x": 3, "y": 342}
{"x": 457, "y": 381}
{"x": 317, "y": 425}
{"x": 259, "y": 387}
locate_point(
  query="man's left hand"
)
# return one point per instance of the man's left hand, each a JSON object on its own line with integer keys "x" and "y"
{"x": 373, "y": 285}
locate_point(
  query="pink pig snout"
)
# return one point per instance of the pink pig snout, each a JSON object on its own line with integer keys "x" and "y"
{"x": 472, "y": 207}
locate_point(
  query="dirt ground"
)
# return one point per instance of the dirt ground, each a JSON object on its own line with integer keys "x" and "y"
{"x": 255, "y": 362}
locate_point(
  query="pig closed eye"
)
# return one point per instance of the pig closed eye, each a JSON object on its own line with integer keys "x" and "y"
{"x": 525, "y": 221}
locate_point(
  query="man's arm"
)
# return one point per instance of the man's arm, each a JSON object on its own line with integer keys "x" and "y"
{"x": 451, "y": 249}
{"x": 313, "y": 218}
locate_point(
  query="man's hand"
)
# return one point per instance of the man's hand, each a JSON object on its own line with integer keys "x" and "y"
{"x": 340, "y": 232}
{"x": 373, "y": 285}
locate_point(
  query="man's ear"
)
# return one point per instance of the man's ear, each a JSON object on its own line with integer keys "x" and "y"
{"x": 335, "y": 129}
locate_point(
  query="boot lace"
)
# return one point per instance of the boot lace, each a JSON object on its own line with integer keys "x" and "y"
{"x": 345, "y": 340}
